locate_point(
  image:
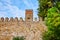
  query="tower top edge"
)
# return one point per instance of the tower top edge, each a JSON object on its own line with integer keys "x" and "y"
{"x": 29, "y": 9}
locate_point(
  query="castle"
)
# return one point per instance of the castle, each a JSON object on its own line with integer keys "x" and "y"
{"x": 12, "y": 27}
{"x": 28, "y": 17}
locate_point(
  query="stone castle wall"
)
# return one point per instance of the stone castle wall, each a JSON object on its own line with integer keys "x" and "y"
{"x": 30, "y": 30}
{"x": 11, "y": 27}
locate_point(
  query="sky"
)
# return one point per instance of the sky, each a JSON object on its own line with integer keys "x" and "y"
{"x": 16, "y": 8}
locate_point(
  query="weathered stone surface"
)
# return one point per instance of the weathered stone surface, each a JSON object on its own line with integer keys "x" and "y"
{"x": 31, "y": 32}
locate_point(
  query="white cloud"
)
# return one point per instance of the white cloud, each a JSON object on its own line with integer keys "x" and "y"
{"x": 26, "y": 3}
{"x": 14, "y": 10}
{"x": 6, "y": 1}
{"x": 7, "y": 8}
{"x": 30, "y": 5}
{"x": 2, "y": 14}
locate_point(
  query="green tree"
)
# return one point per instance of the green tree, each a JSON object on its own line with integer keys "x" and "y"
{"x": 44, "y": 5}
{"x": 50, "y": 10}
{"x": 18, "y": 38}
{"x": 58, "y": 5}
{"x": 53, "y": 25}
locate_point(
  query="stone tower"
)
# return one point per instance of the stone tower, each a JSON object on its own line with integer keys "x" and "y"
{"x": 29, "y": 15}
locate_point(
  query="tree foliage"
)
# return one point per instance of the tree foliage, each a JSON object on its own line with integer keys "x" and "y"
{"x": 18, "y": 38}
{"x": 50, "y": 10}
{"x": 44, "y": 5}
{"x": 53, "y": 25}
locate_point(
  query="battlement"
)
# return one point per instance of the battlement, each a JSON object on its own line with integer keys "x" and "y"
{"x": 11, "y": 19}
{"x": 28, "y": 17}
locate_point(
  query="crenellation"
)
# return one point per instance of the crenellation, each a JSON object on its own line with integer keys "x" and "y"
{"x": 35, "y": 19}
{"x": 21, "y": 19}
{"x": 11, "y": 19}
{"x": 6, "y": 19}
{"x": 16, "y": 19}
{"x": 2, "y": 19}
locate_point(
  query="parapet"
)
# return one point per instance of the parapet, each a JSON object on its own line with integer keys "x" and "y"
{"x": 16, "y": 19}
{"x": 21, "y": 19}
{"x": 6, "y": 19}
{"x": 2, "y": 19}
{"x": 11, "y": 19}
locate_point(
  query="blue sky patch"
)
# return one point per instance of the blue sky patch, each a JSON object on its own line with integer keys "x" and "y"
{"x": 16, "y": 8}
